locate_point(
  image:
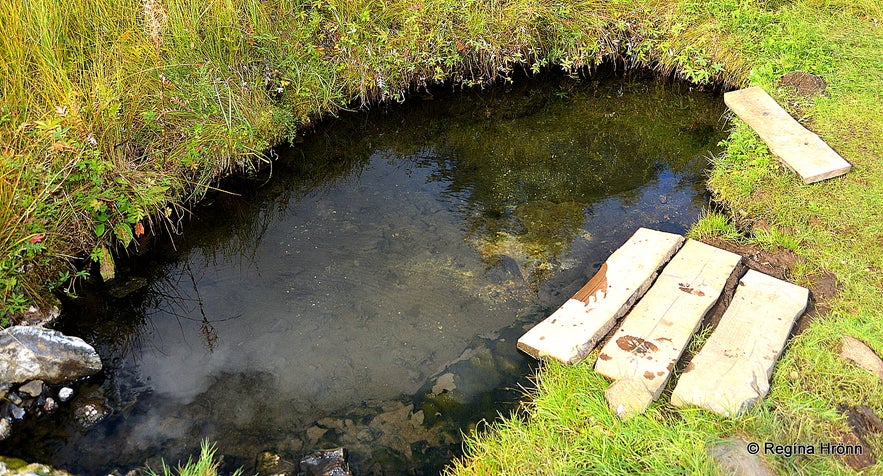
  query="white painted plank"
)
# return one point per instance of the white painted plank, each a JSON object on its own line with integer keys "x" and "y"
{"x": 572, "y": 331}
{"x": 733, "y": 369}
{"x": 655, "y": 332}
{"x": 628, "y": 397}
{"x": 801, "y": 150}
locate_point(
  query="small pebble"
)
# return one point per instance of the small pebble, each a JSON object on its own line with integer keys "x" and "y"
{"x": 17, "y": 412}
{"x": 50, "y": 405}
{"x": 13, "y": 398}
{"x": 65, "y": 394}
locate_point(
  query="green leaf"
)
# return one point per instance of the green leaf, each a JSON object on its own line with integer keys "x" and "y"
{"x": 99, "y": 229}
{"x": 123, "y": 233}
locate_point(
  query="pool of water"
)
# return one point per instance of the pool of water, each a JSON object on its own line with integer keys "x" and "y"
{"x": 368, "y": 288}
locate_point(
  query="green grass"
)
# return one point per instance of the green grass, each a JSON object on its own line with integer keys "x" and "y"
{"x": 571, "y": 431}
{"x": 204, "y": 465}
{"x": 713, "y": 224}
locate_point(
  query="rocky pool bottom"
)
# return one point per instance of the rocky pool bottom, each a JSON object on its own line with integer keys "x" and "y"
{"x": 367, "y": 291}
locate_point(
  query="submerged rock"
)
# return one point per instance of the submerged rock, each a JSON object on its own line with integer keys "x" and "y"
{"x": 14, "y": 398}
{"x": 325, "y": 463}
{"x": 90, "y": 414}
{"x": 34, "y": 388}
{"x": 120, "y": 290}
{"x": 271, "y": 464}
{"x": 50, "y": 405}
{"x": 17, "y": 467}
{"x": 35, "y": 353}
{"x": 15, "y": 411}
{"x": 89, "y": 409}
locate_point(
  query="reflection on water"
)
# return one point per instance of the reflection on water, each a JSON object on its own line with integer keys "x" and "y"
{"x": 370, "y": 291}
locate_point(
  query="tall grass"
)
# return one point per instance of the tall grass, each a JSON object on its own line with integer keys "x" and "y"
{"x": 126, "y": 110}
{"x": 204, "y": 465}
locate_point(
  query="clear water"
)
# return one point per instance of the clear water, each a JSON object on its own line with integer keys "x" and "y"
{"x": 388, "y": 253}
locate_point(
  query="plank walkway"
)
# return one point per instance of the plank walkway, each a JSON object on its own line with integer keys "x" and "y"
{"x": 733, "y": 368}
{"x": 570, "y": 333}
{"x": 655, "y": 333}
{"x": 801, "y": 150}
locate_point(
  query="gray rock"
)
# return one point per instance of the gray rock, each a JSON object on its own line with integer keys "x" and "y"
{"x": 862, "y": 355}
{"x": 14, "y": 398}
{"x": 325, "y": 463}
{"x": 16, "y": 411}
{"x": 732, "y": 458}
{"x": 34, "y": 388}
{"x": 445, "y": 383}
{"x": 65, "y": 394}
{"x": 34, "y": 353}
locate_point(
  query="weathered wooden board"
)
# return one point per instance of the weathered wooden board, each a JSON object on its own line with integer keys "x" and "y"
{"x": 733, "y": 369}
{"x": 572, "y": 331}
{"x": 801, "y": 150}
{"x": 654, "y": 334}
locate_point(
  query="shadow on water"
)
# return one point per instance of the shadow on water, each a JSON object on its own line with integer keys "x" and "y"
{"x": 367, "y": 291}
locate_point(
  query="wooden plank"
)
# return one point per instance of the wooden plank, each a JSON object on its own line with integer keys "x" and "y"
{"x": 733, "y": 369}
{"x": 572, "y": 331}
{"x": 628, "y": 397}
{"x": 801, "y": 150}
{"x": 653, "y": 335}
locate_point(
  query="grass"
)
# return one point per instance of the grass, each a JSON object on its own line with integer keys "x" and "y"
{"x": 204, "y": 465}
{"x": 116, "y": 114}
{"x": 571, "y": 431}
{"x": 713, "y": 224}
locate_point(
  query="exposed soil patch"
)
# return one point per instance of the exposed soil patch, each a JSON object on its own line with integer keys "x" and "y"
{"x": 803, "y": 83}
{"x": 863, "y": 423}
{"x": 857, "y": 453}
{"x": 776, "y": 263}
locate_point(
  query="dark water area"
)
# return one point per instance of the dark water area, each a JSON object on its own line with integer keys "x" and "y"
{"x": 367, "y": 290}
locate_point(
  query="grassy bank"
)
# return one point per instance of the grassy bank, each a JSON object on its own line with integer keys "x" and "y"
{"x": 116, "y": 114}
{"x": 834, "y": 229}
